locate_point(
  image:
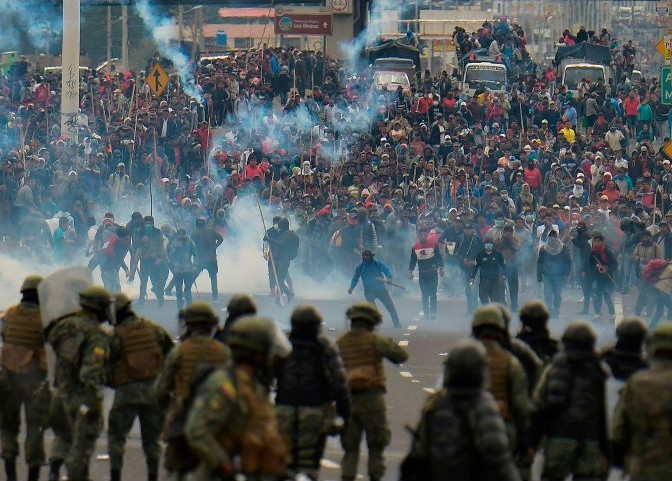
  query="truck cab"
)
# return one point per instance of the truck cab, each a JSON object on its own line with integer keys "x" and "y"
{"x": 574, "y": 73}
{"x": 484, "y": 75}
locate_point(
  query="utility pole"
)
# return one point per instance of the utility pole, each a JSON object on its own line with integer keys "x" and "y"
{"x": 124, "y": 38}
{"x": 109, "y": 37}
{"x": 70, "y": 71}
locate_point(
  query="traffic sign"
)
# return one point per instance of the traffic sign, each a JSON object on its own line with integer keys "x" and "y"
{"x": 667, "y": 150}
{"x": 666, "y": 85}
{"x": 664, "y": 47}
{"x": 158, "y": 80}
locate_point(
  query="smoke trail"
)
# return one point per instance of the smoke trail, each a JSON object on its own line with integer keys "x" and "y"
{"x": 38, "y": 23}
{"x": 379, "y": 14}
{"x": 157, "y": 26}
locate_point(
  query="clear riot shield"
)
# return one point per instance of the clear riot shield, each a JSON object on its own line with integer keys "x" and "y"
{"x": 59, "y": 292}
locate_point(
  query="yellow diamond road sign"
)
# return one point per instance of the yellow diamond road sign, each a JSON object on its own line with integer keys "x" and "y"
{"x": 158, "y": 80}
{"x": 667, "y": 149}
{"x": 664, "y": 47}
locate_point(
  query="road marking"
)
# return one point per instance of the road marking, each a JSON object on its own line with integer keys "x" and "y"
{"x": 618, "y": 309}
{"x": 406, "y": 374}
{"x": 412, "y": 327}
{"x": 403, "y": 343}
{"x": 329, "y": 464}
{"x": 429, "y": 390}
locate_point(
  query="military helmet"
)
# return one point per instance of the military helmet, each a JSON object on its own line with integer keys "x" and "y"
{"x": 30, "y": 283}
{"x": 488, "y": 316}
{"x": 364, "y": 311}
{"x": 199, "y": 312}
{"x": 121, "y": 301}
{"x": 306, "y": 315}
{"x": 240, "y": 305}
{"x": 633, "y": 329}
{"x": 661, "y": 339}
{"x": 465, "y": 365}
{"x": 579, "y": 336}
{"x": 253, "y": 333}
{"x": 506, "y": 314}
{"x": 96, "y": 298}
{"x": 534, "y": 314}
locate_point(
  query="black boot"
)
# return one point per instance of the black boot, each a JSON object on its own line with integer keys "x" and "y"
{"x": 152, "y": 476}
{"x": 34, "y": 473}
{"x": 54, "y": 468}
{"x": 10, "y": 469}
{"x": 115, "y": 475}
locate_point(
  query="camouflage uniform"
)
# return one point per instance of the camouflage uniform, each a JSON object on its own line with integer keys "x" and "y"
{"x": 232, "y": 413}
{"x": 173, "y": 386}
{"x": 642, "y": 438}
{"x": 508, "y": 381}
{"x": 309, "y": 383}
{"x": 461, "y": 431}
{"x": 569, "y": 405}
{"x": 534, "y": 331}
{"x": 24, "y": 365}
{"x": 82, "y": 349}
{"x": 363, "y": 352}
{"x": 137, "y": 350}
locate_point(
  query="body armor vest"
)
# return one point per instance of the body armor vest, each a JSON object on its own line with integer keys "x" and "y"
{"x": 500, "y": 367}
{"x": 263, "y": 450}
{"x": 23, "y": 350}
{"x": 363, "y": 363}
{"x": 193, "y": 352}
{"x": 141, "y": 357}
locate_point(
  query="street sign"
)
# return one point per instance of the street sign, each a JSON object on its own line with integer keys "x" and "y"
{"x": 667, "y": 150}
{"x": 662, "y": 9}
{"x": 664, "y": 47}
{"x": 158, "y": 80}
{"x": 303, "y": 21}
{"x": 666, "y": 85}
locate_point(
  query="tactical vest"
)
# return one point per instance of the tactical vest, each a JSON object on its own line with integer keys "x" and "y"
{"x": 263, "y": 450}
{"x": 141, "y": 357}
{"x": 193, "y": 352}
{"x": 23, "y": 350}
{"x": 500, "y": 373}
{"x": 363, "y": 364}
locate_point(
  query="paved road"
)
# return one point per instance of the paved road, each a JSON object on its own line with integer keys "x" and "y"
{"x": 408, "y": 385}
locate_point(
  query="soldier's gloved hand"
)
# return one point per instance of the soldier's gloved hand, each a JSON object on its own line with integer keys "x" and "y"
{"x": 226, "y": 472}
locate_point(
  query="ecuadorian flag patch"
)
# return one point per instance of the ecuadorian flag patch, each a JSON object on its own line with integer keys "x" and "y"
{"x": 228, "y": 389}
{"x": 99, "y": 352}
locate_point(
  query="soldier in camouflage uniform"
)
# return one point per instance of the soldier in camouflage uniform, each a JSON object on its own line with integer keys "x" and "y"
{"x": 363, "y": 351}
{"x": 642, "y": 439}
{"x": 534, "y": 332}
{"x": 173, "y": 386}
{"x": 137, "y": 350}
{"x": 24, "y": 372}
{"x": 570, "y": 409}
{"x": 309, "y": 382}
{"x": 461, "y": 431}
{"x": 508, "y": 381}
{"x": 232, "y": 426}
{"x": 82, "y": 350}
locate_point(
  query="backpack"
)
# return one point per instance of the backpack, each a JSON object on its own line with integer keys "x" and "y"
{"x": 653, "y": 269}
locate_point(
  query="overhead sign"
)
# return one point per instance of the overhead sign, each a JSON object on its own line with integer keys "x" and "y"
{"x": 666, "y": 86}
{"x": 664, "y": 47}
{"x": 303, "y": 21}
{"x": 158, "y": 80}
{"x": 662, "y": 9}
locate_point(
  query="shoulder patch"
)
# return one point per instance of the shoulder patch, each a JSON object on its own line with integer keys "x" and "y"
{"x": 228, "y": 389}
{"x": 99, "y": 352}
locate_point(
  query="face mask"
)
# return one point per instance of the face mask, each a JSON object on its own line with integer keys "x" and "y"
{"x": 499, "y": 223}
{"x": 488, "y": 246}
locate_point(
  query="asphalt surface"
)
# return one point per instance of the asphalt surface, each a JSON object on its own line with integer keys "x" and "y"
{"x": 428, "y": 342}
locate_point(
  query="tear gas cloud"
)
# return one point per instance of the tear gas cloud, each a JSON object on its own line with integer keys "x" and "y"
{"x": 160, "y": 28}
{"x": 37, "y": 22}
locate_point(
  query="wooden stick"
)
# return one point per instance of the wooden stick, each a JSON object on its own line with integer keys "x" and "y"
{"x": 130, "y": 107}
{"x": 270, "y": 252}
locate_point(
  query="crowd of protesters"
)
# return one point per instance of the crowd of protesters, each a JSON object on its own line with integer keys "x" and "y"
{"x": 534, "y": 173}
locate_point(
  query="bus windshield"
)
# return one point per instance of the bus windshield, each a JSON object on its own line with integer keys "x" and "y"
{"x": 574, "y": 75}
{"x": 486, "y": 76}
